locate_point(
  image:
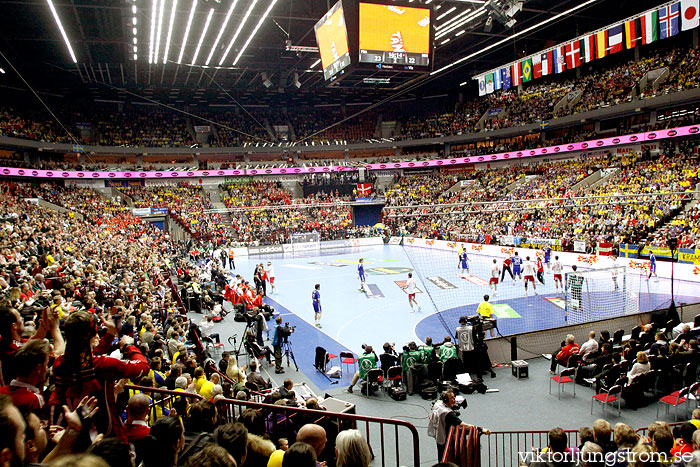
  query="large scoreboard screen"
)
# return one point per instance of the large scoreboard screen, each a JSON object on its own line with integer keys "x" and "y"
{"x": 394, "y": 35}
{"x": 332, "y": 39}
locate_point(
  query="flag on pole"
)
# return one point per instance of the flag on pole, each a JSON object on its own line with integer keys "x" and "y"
{"x": 615, "y": 39}
{"x": 497, "y": 80}
{"x": 669, "y": 19}
{"x": 649, "y": 24}
{"x": 489, "y": 82}
{"x": 631, "y": 34}
{"x": 601, "y": 40}
{"x": 690, "y": 14}
{"x": 526, "y": 66}
{"x": 482, "y": 85}
{"x": 573, "y": 55}
{"x": 516, "y": 74}
{"x": 589, "y": 48}
{"x": 506, "y": 78}
{"x": 559, "y": 59}
{"x": 536, "y": 66}
{"x": 547, "y": 63}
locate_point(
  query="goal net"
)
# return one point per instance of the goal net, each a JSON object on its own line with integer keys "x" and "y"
{"x": 306, "y": 241}
{"x": 598, "y": 294}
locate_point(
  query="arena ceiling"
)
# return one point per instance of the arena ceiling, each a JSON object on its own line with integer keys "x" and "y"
{"x": 114, "y": 57}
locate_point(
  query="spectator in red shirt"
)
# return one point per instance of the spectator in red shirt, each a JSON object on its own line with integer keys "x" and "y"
{"x": 562, "y": 358}
{"x": 684, "y": 440}
{"x": 31, "y": 363}
{"x": 137, "y": 412}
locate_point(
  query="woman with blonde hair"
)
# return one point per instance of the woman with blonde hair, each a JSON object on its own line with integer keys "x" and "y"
{"x": 640, "y": 367}
{"x": 352, "y": 450}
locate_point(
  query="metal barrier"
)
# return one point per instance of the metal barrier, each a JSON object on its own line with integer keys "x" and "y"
{"x": 377, "y": 431}
{"x": 164, "y": 400}
{"x": 502, "y": 448}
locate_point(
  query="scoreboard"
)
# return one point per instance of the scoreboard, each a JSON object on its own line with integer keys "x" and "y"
{"x": 332, "y": 39}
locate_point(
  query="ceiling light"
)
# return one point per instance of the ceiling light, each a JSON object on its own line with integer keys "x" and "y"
{"x": 135, "y": 49}
{"x": 154, "y": 13}
{"x": 133, "y": 30}
{"x": 221, "y": 31}
{"x": 445, "y": 41}
{"x": 136, "y": 56}
{"x": 2, "y": 71}
{"x": 201, "y": 38}
{"x": 315, "y": 63}
{"x": 170, "y": 33}
{"x": 133, "y": 20}
{"x": 453, "y": 20}
{"x": 135, "y": 40}
{"x": 63, "y": 31}
{"x": 471, "y": 17}
{"x": 160, "y": 30}
{"x": 513, "y": 36}
{"x": 187, "y": 30}
{"x": 460, "y": 33}
{"x": 238, "y": 31}
{"x": 133, "y": 9}
{"x": 257, "y": 26}
{"x": 446, "y": 13}
{"x": 464, "y": 83}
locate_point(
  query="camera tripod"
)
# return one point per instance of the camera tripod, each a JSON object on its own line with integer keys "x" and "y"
{"x": 288, "y": 352}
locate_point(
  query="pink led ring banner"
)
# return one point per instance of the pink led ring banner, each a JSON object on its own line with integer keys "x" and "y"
{"x": 594, "y": 144}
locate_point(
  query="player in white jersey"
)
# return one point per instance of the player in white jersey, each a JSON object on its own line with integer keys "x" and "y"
{"x": 493, "y": 282}
{"x": 271, "y": 276}
{"x": 529, "y": 274}
{"x": 556, "y": 269}
{"x": 411, "y": 290}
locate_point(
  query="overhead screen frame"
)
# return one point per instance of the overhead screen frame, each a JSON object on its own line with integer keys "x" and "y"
{"x": 343, "y": 61}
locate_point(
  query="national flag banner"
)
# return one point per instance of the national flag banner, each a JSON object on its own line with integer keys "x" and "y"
{"x": 497, "y": 80}
{"x": 364, "y": 190}
{"x": 488, "y": 77}
{"x": 536, "y": 66}
{"x": 526, "y": 66}
{"x": 506, "y": 78}
{"x": 628, "y": 250}
{"x": 588, "y": 48}
{"x": 615, "y": 39}
{"x": 601, "y": 40}
{"x": 631, "y": 34}
{"x": 573, "y": 55}
{"x": 559, "y": 59}
{"x": 669, "y": 19}
{"x": 516, "y": 74}
{"x": 604, "y": 249}
{"x": 547, "y": 63}
{"x": 482, "y": 85}
{"x": 649, "y": 25}
{"x": 690, "y": 14}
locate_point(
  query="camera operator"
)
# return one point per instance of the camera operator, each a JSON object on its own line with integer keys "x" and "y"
{"x": 443, "y": 417}
{"x": 277, "y": 344}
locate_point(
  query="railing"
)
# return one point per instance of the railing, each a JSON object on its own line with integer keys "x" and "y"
{"x": 502, "y": 448}
{"x": 644, "y": 431}
{"x": 377, "y": 431}
{"x": 164, "y": 400}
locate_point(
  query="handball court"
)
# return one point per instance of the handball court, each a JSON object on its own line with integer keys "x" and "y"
{"x": 352, "y": 318}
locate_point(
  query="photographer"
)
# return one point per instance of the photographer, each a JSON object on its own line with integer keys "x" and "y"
{"x": 367, "y": 361}
{"x": 443, "y": 417}
{"x": 277, "y": 344}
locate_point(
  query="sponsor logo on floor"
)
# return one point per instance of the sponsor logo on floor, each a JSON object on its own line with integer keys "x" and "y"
{"x": 333, "y": 265}
{"x": 556, "y": 301}
{"x": 441, "y": 283}
{"x": 373, "y": 291}
{"x": 473, "y": 279}
{"x": 503, "y": 310}
{"x": 402, "y": 286}
{"x": 388, "y": 271}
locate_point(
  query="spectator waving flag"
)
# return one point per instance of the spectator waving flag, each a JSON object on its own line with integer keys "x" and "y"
{"x": 364, "y": 190}
{"x": 669, "y": 19}
{"x": 588, "y": 48}
{"x": 573, "y": 55}
{"x": 649, "y": 23}
{"x": 631, "y": 34}
{"x": 489, "y": 82}
{"x": 536, "y": 66}
{"x": 690, "y": 14}
{"x": 615, "y": 39}
{"x": 482, "y": 85}
{"x": 547, "y": 63}
{"x": 526, "y": 66}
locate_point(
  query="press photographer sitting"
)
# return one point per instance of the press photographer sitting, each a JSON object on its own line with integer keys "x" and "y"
{"x": 367, "y": 361}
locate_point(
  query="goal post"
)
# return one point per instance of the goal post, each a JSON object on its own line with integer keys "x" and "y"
{"x": 597, "y": 294}
{"x": 306, "y": 241}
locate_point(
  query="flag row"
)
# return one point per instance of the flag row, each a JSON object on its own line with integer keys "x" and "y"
{"x": 644, "y": 29}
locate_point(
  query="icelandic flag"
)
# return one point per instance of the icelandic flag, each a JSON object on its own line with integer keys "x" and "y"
{"x": 669, "y": 19}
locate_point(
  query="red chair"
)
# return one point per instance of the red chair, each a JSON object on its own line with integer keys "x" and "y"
{"x": 693, "y": 398}
{"x": 674, "y": 399}
{"x": 567, "y": 375}
{"x": 608, "y": 396}
{"x": 346, "y": 358}
{"x": 393, "y": 377}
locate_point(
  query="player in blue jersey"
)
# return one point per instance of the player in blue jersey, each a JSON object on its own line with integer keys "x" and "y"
{"x": 517, "y": 263}
{"x": 547, "y": 250}
{"x": 463, "y": 261}
{"x": 652, "y": 265}
{"x": 316, "y": 301}
{"x": 361, "y": 274}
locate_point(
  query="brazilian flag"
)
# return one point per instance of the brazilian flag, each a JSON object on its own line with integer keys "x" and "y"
{"x": 526, "y": 66}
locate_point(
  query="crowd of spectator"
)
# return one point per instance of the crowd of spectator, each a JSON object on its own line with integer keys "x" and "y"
{"x": 142, "y": 128}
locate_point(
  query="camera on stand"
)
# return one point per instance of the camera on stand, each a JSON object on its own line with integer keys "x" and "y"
{"x": 286, "y": 331}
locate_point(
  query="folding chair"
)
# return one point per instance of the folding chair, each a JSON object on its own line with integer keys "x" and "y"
{"x": 374, "y": 376}
{"x": 346, "y": 358}
{"x": 693, "y": 395}
{"x": 563, "y": 378}
{"x": 673, "y": 400}
{"x": 393, "y": 377}
{"x": 608, "y": 396}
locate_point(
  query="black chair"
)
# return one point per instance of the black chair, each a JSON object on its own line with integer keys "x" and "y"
{"x": 393, "y": 376}
{"x": 451, "y": 368}
{"x": 387, "y": 361}
{"x": 636, "y": 331}
{"x": 617, "y": 340}
{"x": 375, "y": 377}
{"x": 696, "y": 321}
{"x": 435, "y": 371}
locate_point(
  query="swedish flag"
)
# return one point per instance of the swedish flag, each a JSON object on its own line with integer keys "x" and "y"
{"x": 527, "y": 70}
{"x": 628, "y": 250}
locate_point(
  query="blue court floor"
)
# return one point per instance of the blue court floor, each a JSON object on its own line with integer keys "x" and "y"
{"x": 352, "y": 318}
